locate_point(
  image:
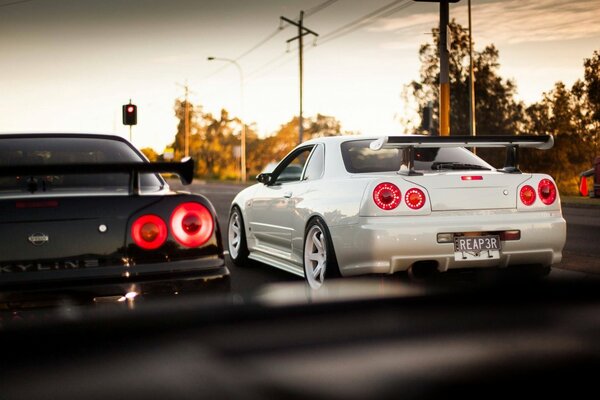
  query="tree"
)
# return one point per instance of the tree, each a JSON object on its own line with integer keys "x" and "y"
{"x": 588, "y": 91}
{"x": 215, "y": 141}
{"x": 562, "y": 114}
{"x": 150, "y": 154}
{"x": 497, "y": 111}
{"x": 572, "y": 117}
{"x": 274, "y": 148}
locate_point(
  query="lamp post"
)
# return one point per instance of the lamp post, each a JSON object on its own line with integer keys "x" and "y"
{"x": 243, "y": 138}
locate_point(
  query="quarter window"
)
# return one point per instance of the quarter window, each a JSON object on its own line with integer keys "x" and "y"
{"x": 314, "y": 169}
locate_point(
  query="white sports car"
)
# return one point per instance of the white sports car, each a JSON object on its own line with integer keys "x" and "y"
{"x": 350, "y": 205}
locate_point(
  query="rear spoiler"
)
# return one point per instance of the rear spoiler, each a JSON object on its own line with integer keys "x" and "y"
{"x": 184, "y": 169}
{"x": 512, "y": 144}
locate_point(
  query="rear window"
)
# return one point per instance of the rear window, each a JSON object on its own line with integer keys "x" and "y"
{"x": 69, "y": 150}
{"x": 359, "y": 158}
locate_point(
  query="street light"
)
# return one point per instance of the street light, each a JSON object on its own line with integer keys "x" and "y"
{"x": 243, "y": 140}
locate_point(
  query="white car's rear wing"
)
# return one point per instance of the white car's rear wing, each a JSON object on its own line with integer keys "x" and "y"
{"x": 512, "y": 143}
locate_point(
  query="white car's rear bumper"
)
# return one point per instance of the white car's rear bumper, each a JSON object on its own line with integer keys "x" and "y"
{"x": 390, "y": 244}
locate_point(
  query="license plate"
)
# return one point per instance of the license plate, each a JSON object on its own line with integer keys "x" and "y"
{"x": 476, "y": 247}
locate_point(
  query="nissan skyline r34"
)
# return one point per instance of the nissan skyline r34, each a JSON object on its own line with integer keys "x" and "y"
{"x": 90, "y": 209}
{"x": 353, "y": 205}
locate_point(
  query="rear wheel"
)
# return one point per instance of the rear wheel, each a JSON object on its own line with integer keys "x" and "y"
{"x": 319, "y": 257}
{"x": 236, "y": 235}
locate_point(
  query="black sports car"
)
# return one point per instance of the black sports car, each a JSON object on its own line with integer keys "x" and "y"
{"x": 79, "y": 209}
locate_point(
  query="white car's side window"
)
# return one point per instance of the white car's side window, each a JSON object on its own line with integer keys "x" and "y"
{"x": 316, "y": 163}
{"x": 292, "y": 172}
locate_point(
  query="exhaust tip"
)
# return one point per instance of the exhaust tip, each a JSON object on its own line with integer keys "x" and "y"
{"x": 423, "y": 270}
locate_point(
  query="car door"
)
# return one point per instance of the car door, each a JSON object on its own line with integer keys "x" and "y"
{"x": 304, "y": 198}
{"x": 270, "y": 210}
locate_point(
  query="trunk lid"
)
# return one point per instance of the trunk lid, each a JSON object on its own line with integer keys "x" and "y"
{"x": 37, "y": 233}
{"x": 470, "y": 190}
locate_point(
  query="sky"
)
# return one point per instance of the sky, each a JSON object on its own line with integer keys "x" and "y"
{"x": 69, "y": 65}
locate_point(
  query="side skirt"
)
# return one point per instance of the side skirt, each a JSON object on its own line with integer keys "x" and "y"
{"x": 276, "y": 262}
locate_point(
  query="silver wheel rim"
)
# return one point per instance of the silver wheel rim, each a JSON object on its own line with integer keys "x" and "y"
{"x": 234, "y": 235}
{"x": 315, "y": 257}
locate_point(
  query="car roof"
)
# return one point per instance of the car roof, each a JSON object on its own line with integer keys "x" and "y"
{"x": 38, "y": 135}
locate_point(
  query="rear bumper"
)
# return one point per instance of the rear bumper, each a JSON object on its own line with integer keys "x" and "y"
{"x": 206, "y": 269}
{"x": 387, "y": 245}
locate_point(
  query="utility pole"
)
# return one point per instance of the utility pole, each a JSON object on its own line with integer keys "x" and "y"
{"x": 472, "y": 125}
{"x": 186, "y": 114}
{"x": 302, "y": 31}
{"x": 444, "y": 50}
{"x": 444, "y": 70}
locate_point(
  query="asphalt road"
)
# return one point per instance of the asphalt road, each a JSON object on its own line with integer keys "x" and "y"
{"x": 581, "y": 253}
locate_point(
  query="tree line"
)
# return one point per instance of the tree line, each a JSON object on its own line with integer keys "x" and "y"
{"x": 214, "y": 141}
{"x": 570, "y": 114}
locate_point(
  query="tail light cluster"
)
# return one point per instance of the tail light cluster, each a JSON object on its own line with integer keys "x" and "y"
{"x": 191, "y": 224}
{"x": 546, "y": 191}
{"x": 387, "y": 196}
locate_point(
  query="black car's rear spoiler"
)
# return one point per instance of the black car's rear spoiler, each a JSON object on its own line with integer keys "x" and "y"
{"x": 512, "y": 143}
{"x": 184, "y": 169}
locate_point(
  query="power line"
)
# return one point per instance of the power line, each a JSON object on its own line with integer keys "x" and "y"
{"x": 14, "y": 3}
{"x": 318, "y": 8}
{"x": 341, "y": 34}
{"x": 261, "y": 43}
{"x": 257, "y": 72}
{"x": 250, "y": 50}
{"x": 267, "y": 38}
{"x": 381, "y": 12}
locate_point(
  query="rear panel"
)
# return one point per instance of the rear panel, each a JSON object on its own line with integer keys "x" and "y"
{"x": 89, "y": 233}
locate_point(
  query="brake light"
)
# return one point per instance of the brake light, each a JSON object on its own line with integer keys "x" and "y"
{"x": 471, "y": 178}
{"x": 192, "y": 224}
{"x": 414, "y": 198}
{"x": 387, "y": 196}
{"x": 547, "y": 191}
{"x": 149, "y": 232}
{"x": 37, "y": 204}
{"x": 527, "y": 195}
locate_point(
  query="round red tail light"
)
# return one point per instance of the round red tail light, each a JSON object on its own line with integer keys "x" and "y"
{"x": 192, "y": 224}
{"x": 387, "y": 196}
{"x": 527, "y": 195}
{"x": 547, "y": 191}
{"x": 149, "y": 232}
{"x": 414, "y": 198}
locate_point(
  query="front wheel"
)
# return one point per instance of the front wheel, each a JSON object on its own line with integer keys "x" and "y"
{"x": 236, "y": 235}
{"x": 319, "y": 257}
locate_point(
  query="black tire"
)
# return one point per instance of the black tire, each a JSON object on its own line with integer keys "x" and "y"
{"x": 236, "y": 235}
{"x": 323, "y": 264}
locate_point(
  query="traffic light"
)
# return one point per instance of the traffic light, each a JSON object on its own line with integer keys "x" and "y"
{"x": 130, "y": 114}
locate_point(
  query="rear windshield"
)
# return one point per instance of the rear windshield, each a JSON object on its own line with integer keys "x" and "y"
{"x": 359, "y": 158}
{"x": 67, "y": 150}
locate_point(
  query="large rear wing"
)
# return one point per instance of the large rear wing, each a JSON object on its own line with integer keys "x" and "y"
{"x": 512, "y": 144}
{"x": 184, "y": 169}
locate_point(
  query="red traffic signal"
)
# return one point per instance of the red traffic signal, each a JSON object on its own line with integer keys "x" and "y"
{"x": 129, "y": 114}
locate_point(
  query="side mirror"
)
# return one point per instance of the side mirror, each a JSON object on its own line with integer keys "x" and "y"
{"x": 264, "y": 178}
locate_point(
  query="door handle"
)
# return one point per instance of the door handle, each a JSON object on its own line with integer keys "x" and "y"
{"x": 287, "y": 195}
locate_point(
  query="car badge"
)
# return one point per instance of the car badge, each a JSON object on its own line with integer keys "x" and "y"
{"x": 38, "y": 239}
